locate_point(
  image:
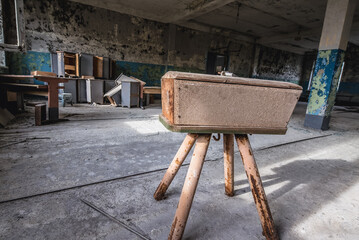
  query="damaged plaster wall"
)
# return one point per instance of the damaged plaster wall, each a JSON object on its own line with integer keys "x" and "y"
{"x": 309, "y": 60}
{"x": 69, "y": 26}
{"x": 350, "y": 80}
{"x": 275, "y": 64}
{"x": 134, "y": 42}
{"x": 192, "y": 46}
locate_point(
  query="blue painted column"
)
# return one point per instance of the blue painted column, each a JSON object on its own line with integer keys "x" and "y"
{"x": 332, "y": 46}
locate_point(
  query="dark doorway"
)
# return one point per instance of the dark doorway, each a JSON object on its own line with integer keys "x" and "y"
{"x": 216, "y": 63}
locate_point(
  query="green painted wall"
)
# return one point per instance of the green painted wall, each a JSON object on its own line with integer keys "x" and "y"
{"x": 24, "y": 63}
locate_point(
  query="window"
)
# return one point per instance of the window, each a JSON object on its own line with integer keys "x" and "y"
{"x": 12, "y": 25}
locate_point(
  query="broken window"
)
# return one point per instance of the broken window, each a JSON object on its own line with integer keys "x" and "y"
{"x": 12, "y": 25}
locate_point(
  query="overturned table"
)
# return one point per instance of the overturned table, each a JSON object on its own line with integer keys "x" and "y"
{"x": 201, "y": 105}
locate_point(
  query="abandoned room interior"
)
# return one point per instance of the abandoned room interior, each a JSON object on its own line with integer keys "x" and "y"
{"x": 179, "y": 119}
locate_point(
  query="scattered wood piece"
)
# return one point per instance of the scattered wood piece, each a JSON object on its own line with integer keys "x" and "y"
{"x": 16, "y": 77}
{"x": 5, "y": 117}
{"x": 41, "y": 73}
{"x": 11, "y": 96}
{"x": 33, "y": 104}
{"x": 40, "y": 114}
{"x": 70, "y": 67}
{"x": 24, "y": 85}
{"x": 37, "y": 93}
{"x": 113, "y": 95}
{"x": 152, "y": 90}
{"x": 142, "y": 236}
{"x": 138, "y": 80}
{"x": 98, "y": 67}
{"x": 112, "y": 101}
{"x": 87, "y": 77}
{"x": 71, "y": 64}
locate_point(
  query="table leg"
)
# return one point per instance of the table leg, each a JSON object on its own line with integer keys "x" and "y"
{"x": 255, "y": 182}
{"x": 189, "y": 187}
{"x": 175, "y": 165}
{"x": 228, "y": 149}
{"x": 147, "y": 99}
{"x": 3, "y": 97}
{"x": 53, "y": 101}
{"x": 20, "y": 100}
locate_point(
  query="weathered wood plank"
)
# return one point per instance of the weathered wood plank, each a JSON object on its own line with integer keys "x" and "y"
{"x": 230, "y": 80}
{"x": 24, "y": 85}
{"x": 42, "y": 73}
{"x": 167, "y": 98}
{"x": 98, "y": 67}
{"x": 207, "y": 104}
{"x": 152, "y": 90}
{"x": 219, "y": 129}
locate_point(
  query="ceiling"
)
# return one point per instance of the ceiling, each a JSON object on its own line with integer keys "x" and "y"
{"x": 289, "y": 25}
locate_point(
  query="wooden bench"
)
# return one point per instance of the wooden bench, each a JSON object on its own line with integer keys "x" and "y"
{"x": 19, "y": 89}
{"x": 150, "y": 91}
{"x": 10, "y": 81}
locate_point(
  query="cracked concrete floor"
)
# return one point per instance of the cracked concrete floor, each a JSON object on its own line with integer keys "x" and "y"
{"x": 115, "y": 158}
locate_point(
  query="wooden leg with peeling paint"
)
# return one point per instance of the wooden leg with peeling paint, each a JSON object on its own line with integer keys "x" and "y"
{"x": 175, "y": 165}
{"x": 189, "y": 187}
{"x": 228, "y": 149}
{"x": 255, "y": 182}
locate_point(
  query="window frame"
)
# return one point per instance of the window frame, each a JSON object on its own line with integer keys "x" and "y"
{"x": 20, "y": 29}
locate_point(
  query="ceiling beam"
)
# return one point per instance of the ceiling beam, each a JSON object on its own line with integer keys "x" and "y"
{"x": 194, "y": 9}
{"x": 315, "y": 32}
{"x": 215, "y": 30}
{"x": 290, "y": 48}
{"x": 115, "y": 6}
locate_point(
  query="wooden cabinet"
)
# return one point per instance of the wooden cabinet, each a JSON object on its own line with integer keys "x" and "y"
{"x": 68, "y": 64}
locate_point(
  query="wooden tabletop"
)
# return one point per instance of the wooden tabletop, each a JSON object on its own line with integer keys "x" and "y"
{"x": 15, "y": 77}
{"x": 152, "y": 90}
{"x": 6, "y": 77}
{"x": 25, "y": 85}
{"x": 229, "y": 80}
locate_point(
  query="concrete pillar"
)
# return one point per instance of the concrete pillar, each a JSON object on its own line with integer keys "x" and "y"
{"x": 332, "y": 46}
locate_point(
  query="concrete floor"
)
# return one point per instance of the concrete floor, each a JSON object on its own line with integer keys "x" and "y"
{"x": 115, "y": 158}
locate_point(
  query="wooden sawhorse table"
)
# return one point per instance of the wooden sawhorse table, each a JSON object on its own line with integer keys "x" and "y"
{"x": 194, "y": 171}
{"x": 205, "y": 104}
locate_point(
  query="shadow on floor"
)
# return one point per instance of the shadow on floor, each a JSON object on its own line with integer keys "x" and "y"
{"x": 308, "y": 184}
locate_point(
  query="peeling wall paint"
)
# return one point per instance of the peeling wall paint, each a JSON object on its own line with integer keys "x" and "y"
{"x": 64, "y": 25}
{"x": 325, "y": 81}
{"x": 275, "y": 64}
{"x": 150, "y": 73}
{"x": 349, "y": 85}
{"x": 69, "y": 26}
{"x": 141, "y": 47}
{"x": 23, "y": 64}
